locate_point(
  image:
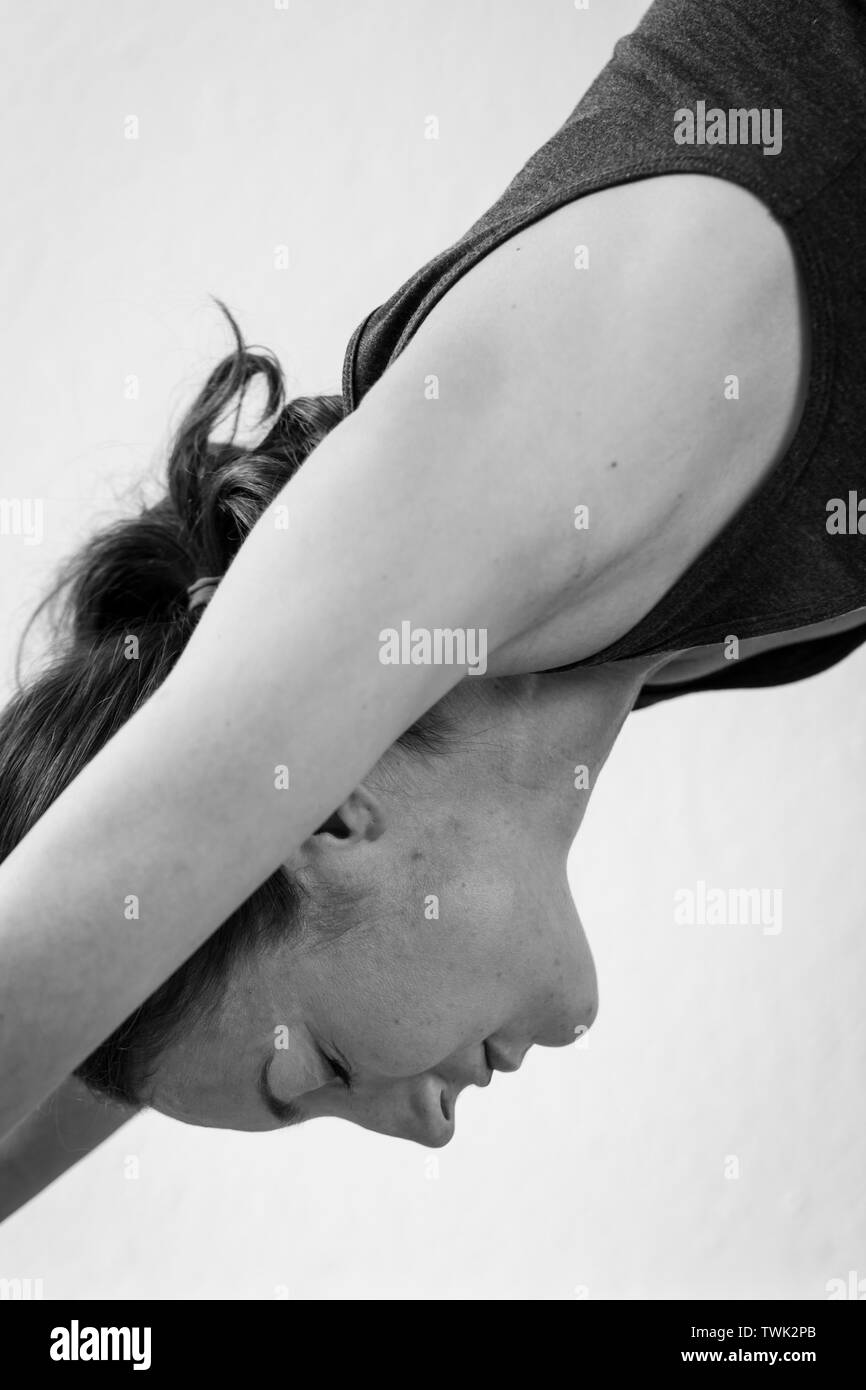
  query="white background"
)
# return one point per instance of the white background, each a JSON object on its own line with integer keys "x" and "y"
{"x": 598, "y": 1171}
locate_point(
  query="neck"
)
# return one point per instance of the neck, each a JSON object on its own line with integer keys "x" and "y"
{"x": 572, "y": 719}
{"x": 532, "y": 732}
{"x": 596, "y": 700}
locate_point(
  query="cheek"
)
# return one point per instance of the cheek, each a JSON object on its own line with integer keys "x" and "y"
{"x": 468, "y": 959}
{"x": 404, "y": 998}
{"x": 449, "y": 967}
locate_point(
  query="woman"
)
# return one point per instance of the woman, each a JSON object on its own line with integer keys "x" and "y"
{"x": 597, "y": 439}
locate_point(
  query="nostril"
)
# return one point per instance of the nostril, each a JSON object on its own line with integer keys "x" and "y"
{"x": 445, "y": 1103}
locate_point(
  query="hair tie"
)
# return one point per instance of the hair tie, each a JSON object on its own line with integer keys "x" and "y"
{"x": 201, "y": 592}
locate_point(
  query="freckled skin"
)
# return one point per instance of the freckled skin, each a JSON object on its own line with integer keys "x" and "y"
{"x": 409, "y": 1001}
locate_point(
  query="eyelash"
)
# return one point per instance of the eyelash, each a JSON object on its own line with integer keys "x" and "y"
{"x": 341, "y": 1072}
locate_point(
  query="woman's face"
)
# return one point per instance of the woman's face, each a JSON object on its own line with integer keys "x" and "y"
{"x": 463, "y": 950}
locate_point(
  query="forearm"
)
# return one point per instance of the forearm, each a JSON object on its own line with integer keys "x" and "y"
{"x": 67, "y": 1127}
{"x": 178, "y": 819}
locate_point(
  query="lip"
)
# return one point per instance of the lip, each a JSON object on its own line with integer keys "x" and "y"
{"x": 484, "y": 1072}
{"x": 496, "y": 1061}
{"x": 431, "y": 1114}
{"x": 481, "y": 1075}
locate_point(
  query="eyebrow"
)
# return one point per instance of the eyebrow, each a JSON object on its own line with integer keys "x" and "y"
{"x": 288, "y": 1112}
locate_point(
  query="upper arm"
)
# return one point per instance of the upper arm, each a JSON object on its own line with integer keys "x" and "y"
{"x": 586, "y": 361}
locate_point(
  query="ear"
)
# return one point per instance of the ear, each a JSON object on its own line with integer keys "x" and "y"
{"x": 359, "y": 819}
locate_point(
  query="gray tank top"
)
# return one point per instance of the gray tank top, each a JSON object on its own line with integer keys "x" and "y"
{"x": 784, "y": 560}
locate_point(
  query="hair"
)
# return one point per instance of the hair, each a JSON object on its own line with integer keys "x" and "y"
{"x": 131, "y": 579}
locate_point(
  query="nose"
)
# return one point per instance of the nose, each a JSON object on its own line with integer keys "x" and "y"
{"x": 575, "y": 1019}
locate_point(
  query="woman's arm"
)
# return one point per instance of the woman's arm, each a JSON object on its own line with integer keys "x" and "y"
{"x": 71, "y": 1124}
{"x": 446, "y": 509}
{"x": 177, "y": 820}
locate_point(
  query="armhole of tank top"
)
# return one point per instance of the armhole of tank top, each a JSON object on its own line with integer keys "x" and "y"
{"x": 814, "y": 280}
{"x": 638, "y": 640}
{"x": 645, "y": 637}
{"x": 348, "y": 375}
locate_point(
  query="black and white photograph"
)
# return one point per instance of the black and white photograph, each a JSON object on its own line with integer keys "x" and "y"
{"x": 432, "y": 667}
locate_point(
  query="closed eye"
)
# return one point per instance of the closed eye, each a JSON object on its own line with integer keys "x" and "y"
{"x": 288, "y": 1112}
{"x": 340, "y": 1068}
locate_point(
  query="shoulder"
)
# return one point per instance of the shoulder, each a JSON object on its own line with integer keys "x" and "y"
{"x": 585, "y": 362}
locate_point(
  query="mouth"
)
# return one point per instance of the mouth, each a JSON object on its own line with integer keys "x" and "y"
{"x": 485, "y": 1074}
{"x": 499, "y": 1061}
{"x": 481, "y": 1077}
